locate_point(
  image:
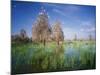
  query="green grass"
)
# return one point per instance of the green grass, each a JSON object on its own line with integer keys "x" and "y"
{"x": 31, "y": 58}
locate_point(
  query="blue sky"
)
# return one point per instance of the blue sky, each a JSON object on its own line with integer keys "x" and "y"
{"x": 75, "y": 19}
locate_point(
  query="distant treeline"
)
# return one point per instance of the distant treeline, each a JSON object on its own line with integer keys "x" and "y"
{"x": 22, "y": 37}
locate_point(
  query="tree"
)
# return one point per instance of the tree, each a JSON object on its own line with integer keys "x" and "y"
{"x": 75, "y": 37}
{"x": 23, "y": 36}
{"x": 15, "y": 38}
{"x": 57, "y": 32}
{"x": 90, "y": 37}
{"x": 35, "y": 35}
{"x": 41, "y": 28}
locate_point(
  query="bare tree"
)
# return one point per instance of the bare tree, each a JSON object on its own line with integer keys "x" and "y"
{"x": 35, "y": 35}
{"x": 41, "y": 29}
{"x": 90, "y": 37}
{"x": 75, "y": 37}
{"x": 57, "y": 32}
{"x": 23, "y": 36}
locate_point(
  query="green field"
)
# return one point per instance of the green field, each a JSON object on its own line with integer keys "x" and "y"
{"x": 32, "y": 58}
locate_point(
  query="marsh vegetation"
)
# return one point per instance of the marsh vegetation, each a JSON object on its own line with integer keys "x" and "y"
{"x": 30, "y": 57}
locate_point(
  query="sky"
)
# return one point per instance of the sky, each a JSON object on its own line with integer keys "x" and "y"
{"x": 77, "y": 20}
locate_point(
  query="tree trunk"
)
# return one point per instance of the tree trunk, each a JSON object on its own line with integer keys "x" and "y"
{"x": 44, "y": 42}
{"x": 57, "y": 42}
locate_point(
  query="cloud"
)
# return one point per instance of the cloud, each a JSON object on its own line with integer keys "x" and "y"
{"x": 63, "y": 10}
{"x": 86, "y": 23}
{"x": 92, "y": 29}
{"x": 59, "y": 12}
{"x": 87, "y": 26}
{"x": 51, "y": 5}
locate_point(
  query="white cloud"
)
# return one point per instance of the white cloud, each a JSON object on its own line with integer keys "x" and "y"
{"x": 87, "y": 26}
{"x": 86, "y": 23}
{"x": 92, "y": 29}
{"x": 59, "y": 12}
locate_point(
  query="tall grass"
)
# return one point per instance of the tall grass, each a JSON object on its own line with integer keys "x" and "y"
{"x": 28, "y": 58}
